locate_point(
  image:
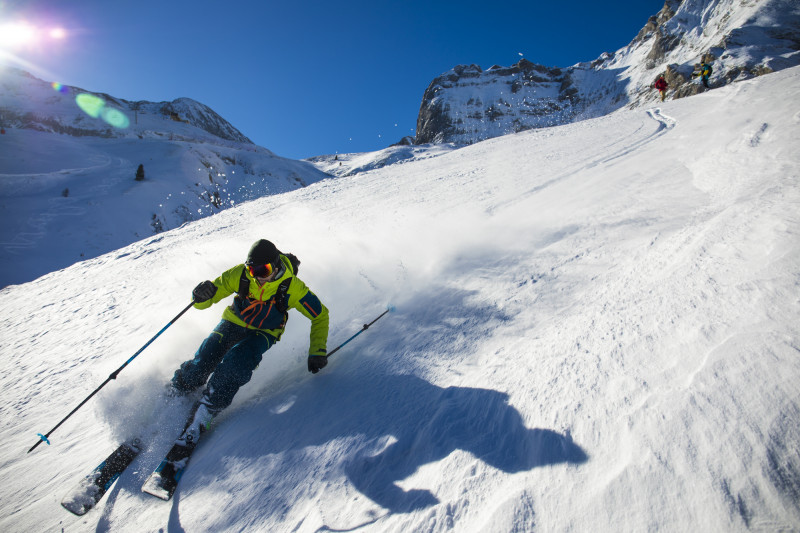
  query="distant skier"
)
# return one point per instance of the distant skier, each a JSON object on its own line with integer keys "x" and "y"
{"x": 661, "y": 85}
{"x": 704, "y": 71}
{"x": 267, "y": 287}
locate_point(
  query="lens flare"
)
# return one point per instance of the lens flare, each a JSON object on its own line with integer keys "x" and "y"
{"x": 63, "y": 89}
{"x": 95, "y": 107}
{"x": 116, "y": 118}
{"x": 90, "y": 104}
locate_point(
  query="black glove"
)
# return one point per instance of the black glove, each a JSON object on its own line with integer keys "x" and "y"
{"x": 317, "y": 363}
{"x": 204, "y": 292}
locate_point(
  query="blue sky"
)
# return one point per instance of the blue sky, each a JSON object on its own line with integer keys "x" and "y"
{"x": 307, "y": 78}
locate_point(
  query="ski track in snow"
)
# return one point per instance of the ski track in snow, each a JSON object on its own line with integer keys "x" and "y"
{"x": 607, "y": 150}
{"x": 596, "y": 330}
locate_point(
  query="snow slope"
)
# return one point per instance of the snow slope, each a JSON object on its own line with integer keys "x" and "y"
{"x": 596, "y": 330}
{"x": 356, "y": 163}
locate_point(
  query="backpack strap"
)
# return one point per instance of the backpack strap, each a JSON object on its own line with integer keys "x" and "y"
{"x": 244, "y": 285}
{"x": 282, "y": 296}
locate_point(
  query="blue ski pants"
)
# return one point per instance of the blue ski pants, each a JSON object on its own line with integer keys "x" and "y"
{"x": 231, "y": 352}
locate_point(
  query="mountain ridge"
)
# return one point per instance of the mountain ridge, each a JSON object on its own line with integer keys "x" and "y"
{"x": 28, "y": 102}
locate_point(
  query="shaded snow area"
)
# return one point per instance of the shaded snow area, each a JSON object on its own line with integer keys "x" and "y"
{"x": 57, "y": 209}
{"x": 596, "y": 329}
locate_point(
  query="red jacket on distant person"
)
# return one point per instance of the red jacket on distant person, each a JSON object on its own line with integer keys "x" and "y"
{"x": 661, "y": 84}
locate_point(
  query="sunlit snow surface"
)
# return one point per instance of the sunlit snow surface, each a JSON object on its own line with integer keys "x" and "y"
{"x": 596, "y": 330}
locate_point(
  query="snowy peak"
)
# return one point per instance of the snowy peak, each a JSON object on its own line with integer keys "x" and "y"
{"x": 740, "y": 38}
{"x": 27, "y": 102}
{"x": 202, "y": 116}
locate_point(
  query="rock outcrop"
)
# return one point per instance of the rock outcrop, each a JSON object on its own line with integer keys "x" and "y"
{"x": 740, "y": 38}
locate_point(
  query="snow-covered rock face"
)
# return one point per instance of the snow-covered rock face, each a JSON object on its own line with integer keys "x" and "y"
{"x": 740, "y": 38}
{"x": 466, "y": 105}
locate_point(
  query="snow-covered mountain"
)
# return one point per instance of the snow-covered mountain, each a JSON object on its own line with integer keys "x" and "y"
{"x": 68, "y": 166}
{"x": 597, "y": 329}
{"x": 740, "y": 38}
{"x": 30, "y": 103}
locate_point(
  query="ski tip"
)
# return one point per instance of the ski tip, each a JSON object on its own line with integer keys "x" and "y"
{"x": 79, "y": 504}
{"x": 154, "y": 487}
{"x": 77, "y": 510}
{"x": 158, "y": 493}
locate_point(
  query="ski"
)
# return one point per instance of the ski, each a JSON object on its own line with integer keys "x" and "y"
{"x": 164, "y": 480}
{"x": 94, "y": 486}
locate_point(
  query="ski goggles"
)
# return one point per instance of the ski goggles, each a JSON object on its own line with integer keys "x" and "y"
{"x": 260, "y": 271}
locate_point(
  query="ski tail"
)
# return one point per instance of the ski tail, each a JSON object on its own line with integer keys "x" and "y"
{"x": 164, "y": 480}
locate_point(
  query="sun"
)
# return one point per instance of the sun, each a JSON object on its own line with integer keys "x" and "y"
{"x": 17, "y": 35}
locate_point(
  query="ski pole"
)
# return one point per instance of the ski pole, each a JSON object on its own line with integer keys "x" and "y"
{"x": 44, "y": 438}
{"x": 362, "y": 330}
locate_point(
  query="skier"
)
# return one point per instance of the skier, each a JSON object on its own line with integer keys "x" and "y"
{"x": 266, "y": 287}
{"x": 704, "y": 72}
{"x": 661, "y": 85}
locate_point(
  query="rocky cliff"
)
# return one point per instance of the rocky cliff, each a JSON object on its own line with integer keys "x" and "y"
{"x": 741, "y": 39}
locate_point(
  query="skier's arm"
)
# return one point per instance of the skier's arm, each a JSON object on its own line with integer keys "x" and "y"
{"x": 305, "y": 301}
{"x": 227, "y": 283}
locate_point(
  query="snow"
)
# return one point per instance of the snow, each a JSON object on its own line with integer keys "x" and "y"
{"x": 596, "y": 329}
{"x": 355, "y": 163}
{"x": 66, "y": 198}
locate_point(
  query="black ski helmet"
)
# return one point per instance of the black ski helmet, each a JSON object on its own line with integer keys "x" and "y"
{"x": 263, "y": 252}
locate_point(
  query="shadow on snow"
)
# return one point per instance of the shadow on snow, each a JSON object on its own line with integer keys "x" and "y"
{"x": 421, "y": 423}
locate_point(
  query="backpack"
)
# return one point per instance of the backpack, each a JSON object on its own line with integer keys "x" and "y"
{"x": 281, "y": 296}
